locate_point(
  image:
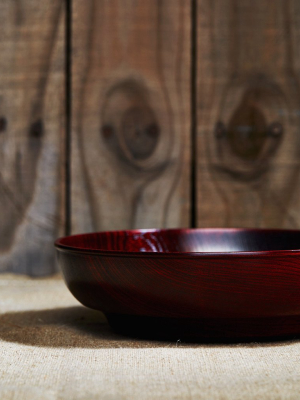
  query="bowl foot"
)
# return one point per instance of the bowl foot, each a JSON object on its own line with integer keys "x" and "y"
{"x": 206, "y": 329}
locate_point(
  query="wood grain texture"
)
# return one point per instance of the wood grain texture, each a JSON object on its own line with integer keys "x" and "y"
{"x": 212, "y": 284}
{"x": 248, "y": 141}
{"x": 131, "y": 114}
{"x": 31, "y": 134}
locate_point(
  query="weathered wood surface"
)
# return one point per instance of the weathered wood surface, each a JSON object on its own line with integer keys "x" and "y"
{"x": 31, "y": 134}
{"x": 131, "y": 114}
{"x": 248, "y": 101}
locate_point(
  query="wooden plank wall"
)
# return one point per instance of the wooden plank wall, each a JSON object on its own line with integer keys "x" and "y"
{"x": 31, "y": 134}
{"x": 159, "y": 89}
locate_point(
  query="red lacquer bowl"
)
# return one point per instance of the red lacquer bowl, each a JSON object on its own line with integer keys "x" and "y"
{"x": 208, "y": 284}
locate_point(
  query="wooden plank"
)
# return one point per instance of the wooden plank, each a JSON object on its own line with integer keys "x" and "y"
{"x": 248, "y": 98}
{"x": 31, "y": 134}
{"x": 131, "y": 114}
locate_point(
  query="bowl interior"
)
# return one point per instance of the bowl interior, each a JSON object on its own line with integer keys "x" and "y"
{"x": 185, "y": 240}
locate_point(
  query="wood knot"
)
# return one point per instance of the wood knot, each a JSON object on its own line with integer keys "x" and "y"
{"x": 250, "y": 128}
{"x": 220, "y": 130}
{"x": 133, "y": 129}
{"x": 140, "y": 132}
{"x": 107, "y": 131}
{"x": 247, "y": 132}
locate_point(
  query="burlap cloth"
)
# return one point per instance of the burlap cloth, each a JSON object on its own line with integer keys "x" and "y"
{"x": 53, "y": 348}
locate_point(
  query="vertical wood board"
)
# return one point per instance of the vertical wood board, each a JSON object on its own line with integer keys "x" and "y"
{"x": 248, "y": 128}
{"x": 131, "y": 114}
{"x": 31, "y": 134}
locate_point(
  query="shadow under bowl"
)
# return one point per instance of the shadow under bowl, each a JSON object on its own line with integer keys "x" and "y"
{"x": 189, "y": 284}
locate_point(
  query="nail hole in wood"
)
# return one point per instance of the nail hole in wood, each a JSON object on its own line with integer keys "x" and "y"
{"x": 37, "y": 129}
{"x": 275, "y": 129}
{"x": 3, "y": 124}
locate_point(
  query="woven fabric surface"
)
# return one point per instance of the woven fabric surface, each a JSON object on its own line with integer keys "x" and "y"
{"x": 51, "y": 347}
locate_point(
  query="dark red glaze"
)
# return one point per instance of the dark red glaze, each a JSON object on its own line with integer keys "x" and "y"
{"x": 212, "y": 284}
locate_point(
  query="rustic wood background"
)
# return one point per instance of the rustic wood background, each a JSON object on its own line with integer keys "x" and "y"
{"x": 145, "y": 113}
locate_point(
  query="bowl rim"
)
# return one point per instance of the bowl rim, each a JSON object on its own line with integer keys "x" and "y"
{"x": 82, "y": 250}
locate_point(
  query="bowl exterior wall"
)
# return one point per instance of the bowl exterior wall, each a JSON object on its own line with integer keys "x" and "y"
{"x": 189, "y": 286}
